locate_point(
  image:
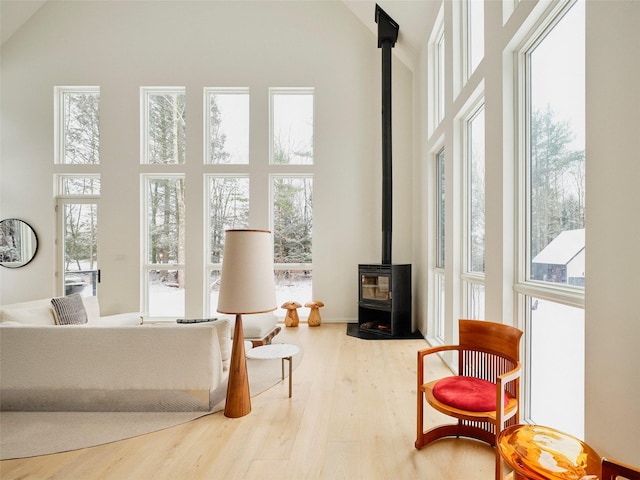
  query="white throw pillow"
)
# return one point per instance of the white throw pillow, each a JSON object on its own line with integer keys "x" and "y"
{"x": 92, "y": 307}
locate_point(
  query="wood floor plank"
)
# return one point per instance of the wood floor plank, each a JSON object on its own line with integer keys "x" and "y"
{"x": 351, "y": 416}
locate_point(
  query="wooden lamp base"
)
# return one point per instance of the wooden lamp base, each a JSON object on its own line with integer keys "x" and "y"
{"x": 238, "y": 402}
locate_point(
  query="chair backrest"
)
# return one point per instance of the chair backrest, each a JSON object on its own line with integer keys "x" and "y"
{"x": 614, "y": 470}
{"x": 490, "y": 337}
{"x": 487, "y": 349}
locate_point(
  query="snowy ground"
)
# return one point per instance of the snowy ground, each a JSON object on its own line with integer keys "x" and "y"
{"x": 166, "y": 301}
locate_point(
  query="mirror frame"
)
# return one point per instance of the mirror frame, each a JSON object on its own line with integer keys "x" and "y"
{"x": 31, "y": 244}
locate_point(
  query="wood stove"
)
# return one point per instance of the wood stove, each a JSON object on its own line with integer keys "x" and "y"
{"x": 384, "y": 298}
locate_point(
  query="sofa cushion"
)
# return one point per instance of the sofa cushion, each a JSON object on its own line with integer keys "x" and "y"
{"x": 37, "y": 312}
{"x": 69, "y": 310}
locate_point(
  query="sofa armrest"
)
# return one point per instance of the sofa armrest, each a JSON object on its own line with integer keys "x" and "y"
{"x": 223, "y": 328}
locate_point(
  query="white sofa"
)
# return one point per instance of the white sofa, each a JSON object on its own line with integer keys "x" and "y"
{"x": 110, "y": 363}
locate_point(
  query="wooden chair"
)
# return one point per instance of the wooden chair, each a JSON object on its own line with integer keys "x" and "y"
{"x": 485, "y": 395}
{"x": 614, "y": 470}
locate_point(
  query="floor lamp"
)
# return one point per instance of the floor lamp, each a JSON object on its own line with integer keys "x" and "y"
{"x": 246, "y": 286}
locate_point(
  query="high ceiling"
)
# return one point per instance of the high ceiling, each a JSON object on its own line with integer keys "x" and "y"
{"x": 414, "y": 17}
{"x": 14, "y": 13}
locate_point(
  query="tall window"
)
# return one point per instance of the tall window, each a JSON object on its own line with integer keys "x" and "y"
{"x": 227, "y": 208}
{"x": 163, "y": 142}
{"x": 475, "y": 34}
{"x": 291, "y": 152}
{"x": 77, "y": 143}
{"x": 439, "y": 264}
{"x": 226, "y": 125}
{"x": 164, "y": 233}
{"x": 292, "y": 211}
{"x": 163, "y": 125}
{"x": 77, "y": 218}
{"x": 554, "y": 234}
{"x": 77, "y": 116}
{"x": 291, "y": 126}
{"x": 473, "y": 278}
{"x": 440, "y": 91}
{"x": 436, "y": 72}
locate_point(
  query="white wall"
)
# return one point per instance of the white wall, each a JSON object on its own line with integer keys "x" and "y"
{"x": 613, "y": 230}
{"x": 121, "y": 46}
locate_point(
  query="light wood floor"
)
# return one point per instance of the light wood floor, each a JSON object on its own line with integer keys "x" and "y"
{"x": 352, "y": 416}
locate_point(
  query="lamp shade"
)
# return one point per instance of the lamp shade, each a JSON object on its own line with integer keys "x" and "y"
{"x": 247, "y": 284}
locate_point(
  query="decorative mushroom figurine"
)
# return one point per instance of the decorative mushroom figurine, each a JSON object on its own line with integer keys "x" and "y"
{"x": 291, "y": 319}
{"x": 314, "y": 314}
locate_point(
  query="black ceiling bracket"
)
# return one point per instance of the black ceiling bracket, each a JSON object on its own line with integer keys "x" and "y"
{"x": 387, "y": 28}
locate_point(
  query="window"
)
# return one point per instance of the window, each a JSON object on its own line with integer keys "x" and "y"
{"x": 77, "y": 143}
{"x": 556, "y": 357}
{"x": 292, "y": 213}
{"x": 475, "y": 34}
{"x": 238, "y": 191}
{"x": 163, "y": 226}
{"x": 473, "y": 278}
{"x": 227, "y": 208}
{"x": 291, "y": 139}
{"x": 439, "y": 274}
{"x": 77, "y": 116}
{"x": 226, "y": 125}
{"x": 436, "y": 72}
{"x": 78, "y": 229}
{"x": 553, "y": 273}
{"x": 77, "y": 208}
{"x": 78, "y": 185}
{"x": 440, "y": 99}
{"x": 163, "y": 114}
{"x": 556, "y": 180}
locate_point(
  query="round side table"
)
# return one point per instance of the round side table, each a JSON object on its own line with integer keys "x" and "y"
{"x": 284, "y": 351}
{"x": 542, "y": 453}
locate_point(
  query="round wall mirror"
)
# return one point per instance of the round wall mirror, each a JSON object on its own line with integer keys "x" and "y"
{"x": 18, "y": 243}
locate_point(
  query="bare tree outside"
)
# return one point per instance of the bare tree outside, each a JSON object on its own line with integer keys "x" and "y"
{"x": 81, "y": 127}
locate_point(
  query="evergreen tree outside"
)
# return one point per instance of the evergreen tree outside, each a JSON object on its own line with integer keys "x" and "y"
{"x": 557, "y": 190}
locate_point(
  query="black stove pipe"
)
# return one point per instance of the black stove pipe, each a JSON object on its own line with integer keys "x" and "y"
{"x": 387, "y": 36}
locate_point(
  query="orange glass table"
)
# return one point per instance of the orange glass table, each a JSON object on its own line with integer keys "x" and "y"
{"x": 542, "y": 453}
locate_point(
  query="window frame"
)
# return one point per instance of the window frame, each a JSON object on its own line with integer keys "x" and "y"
{"x": 59, "y": 143}
{"x": 145, "y": 93}
{"x": 438, "y": 325}
{"x": 471, "y": 279}
{"x": 436, "y": 75}
{"x": 273, "y": 91}
{"x": 565, "y": 294}
{"x": 525, "y": 287}
{"x": 210, "y": 266}
{"x": 146, "y": 265}
{"x": 208, "y": 92}
{"x": 469, "y": 63}
{"x": 289, "y": 266}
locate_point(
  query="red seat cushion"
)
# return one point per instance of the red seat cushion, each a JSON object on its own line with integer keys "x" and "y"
{"x": 467, "y": 393}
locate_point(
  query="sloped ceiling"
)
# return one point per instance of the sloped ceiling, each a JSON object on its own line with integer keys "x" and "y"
{"x": 414, "y": 17}
{"x": 14, "y": 14}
